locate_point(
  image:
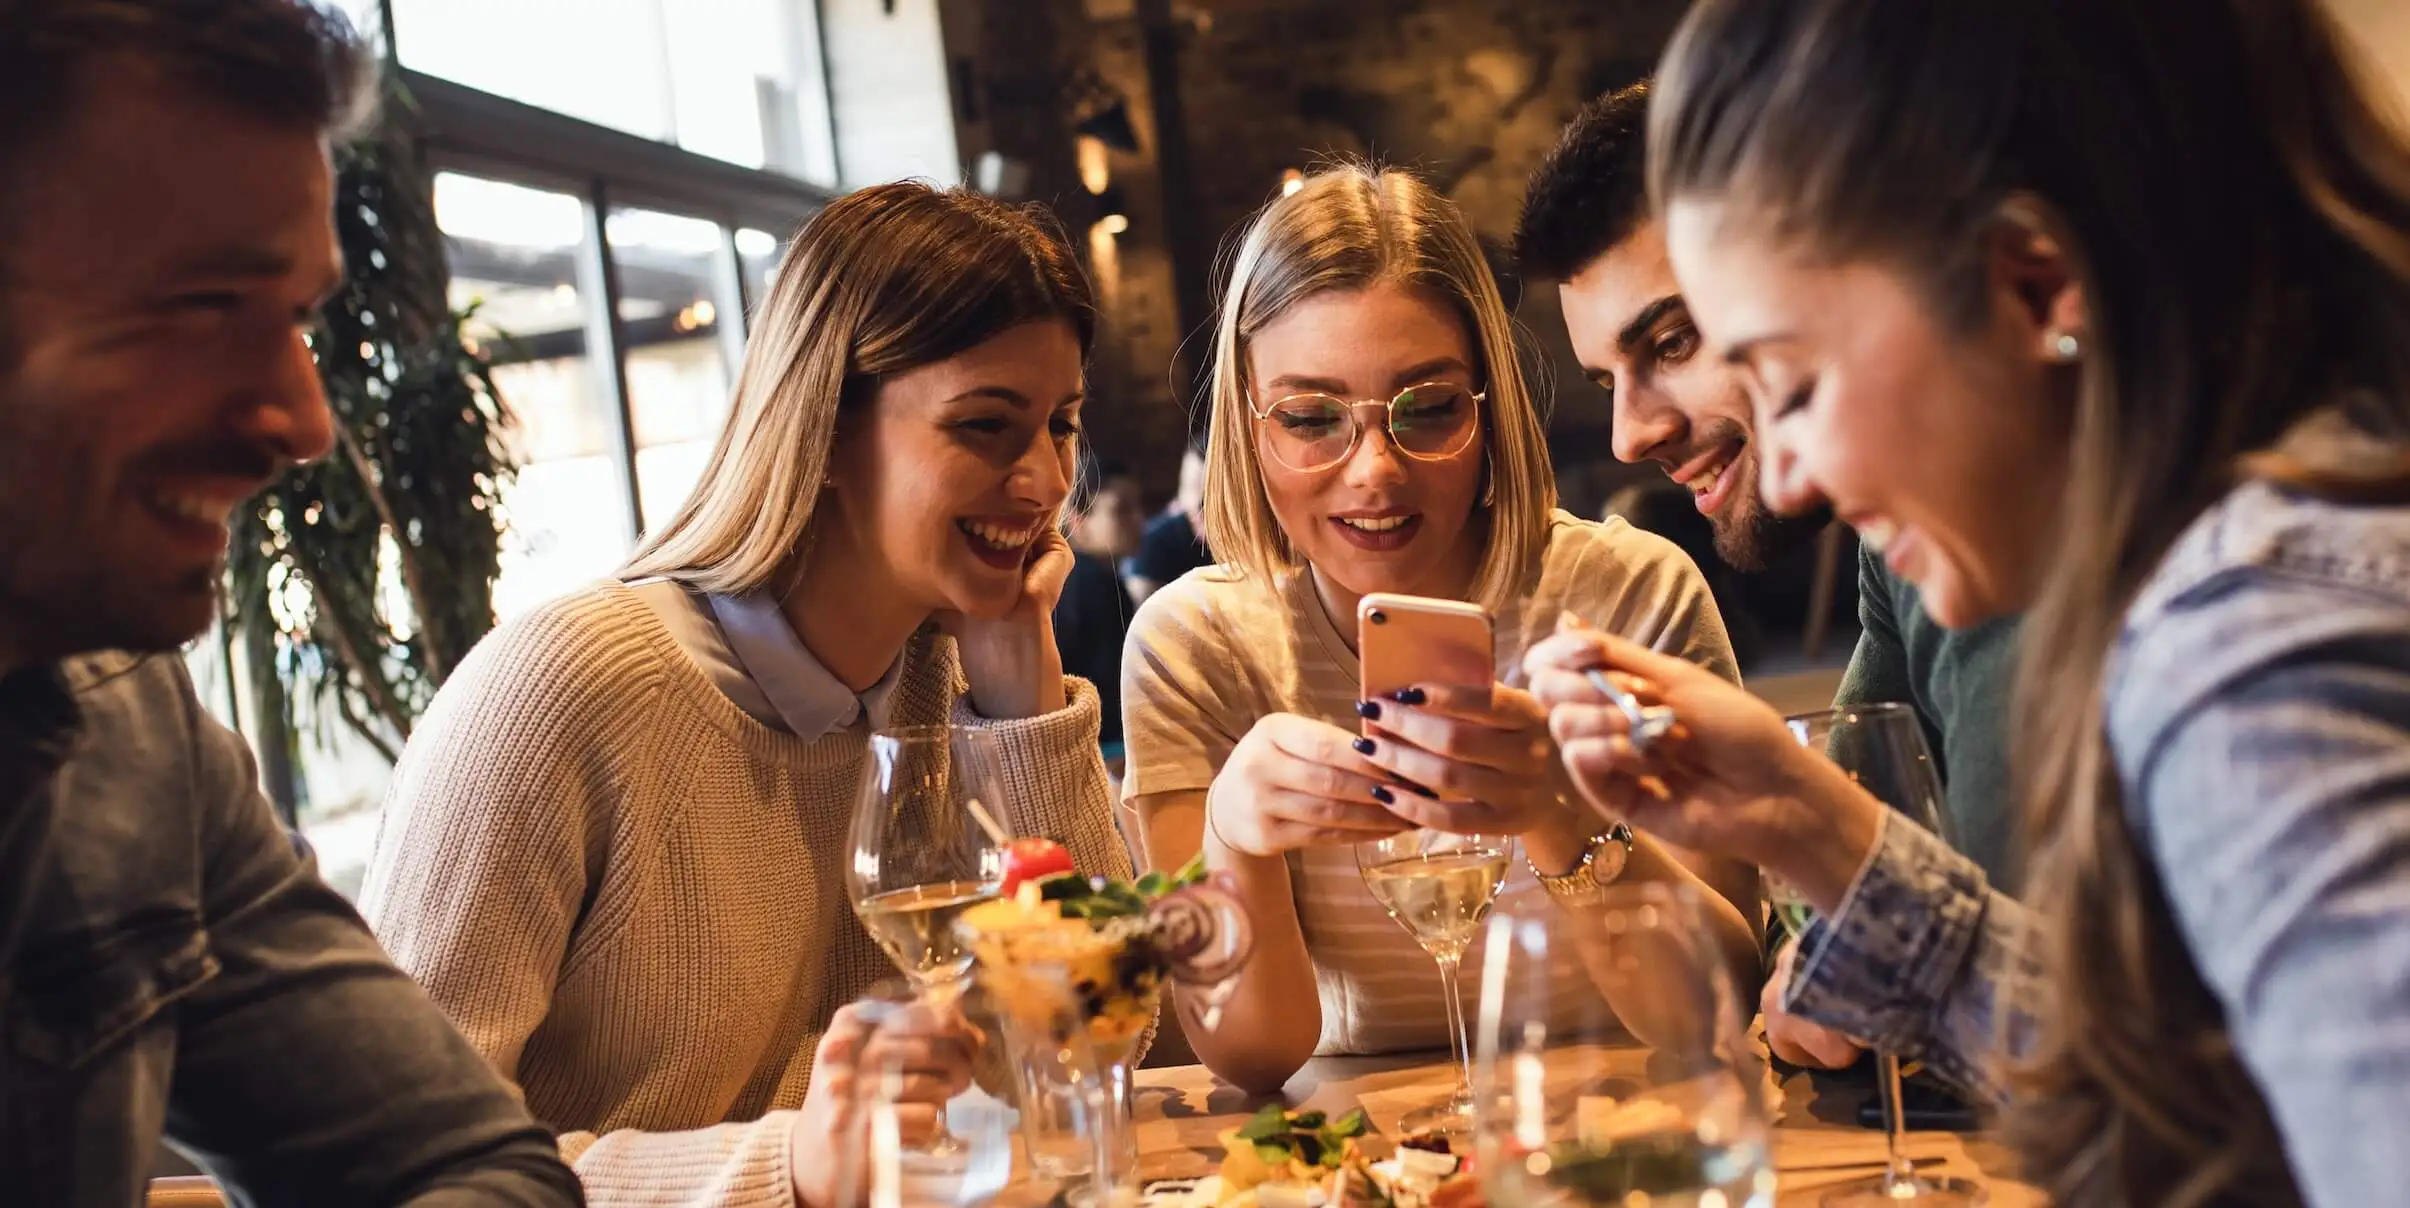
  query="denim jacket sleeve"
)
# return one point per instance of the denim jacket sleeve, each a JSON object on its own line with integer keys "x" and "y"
{"x": 310, "y": 1070}
{"x": 2260, "y": 714}
{"x": 2258, "y": 710}
{"x": 1924, "y": 959}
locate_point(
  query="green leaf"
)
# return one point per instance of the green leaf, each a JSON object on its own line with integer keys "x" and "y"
{"x": 1307, "y": 1121}
{"x": 1353, "y": 1124}
{"x": 1064, "y": 887}
{"x": 1273, "y": 1153}
{"x": 1153, "y": 885}
{"x": 1272, "y": 1122}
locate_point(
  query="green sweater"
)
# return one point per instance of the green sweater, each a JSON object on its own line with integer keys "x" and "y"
{"x": 1959, "y": 682}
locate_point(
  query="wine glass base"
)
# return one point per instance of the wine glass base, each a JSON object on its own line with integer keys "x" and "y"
{"x": 1452, "y": 1119}
{"x": 1937, "y": 1191}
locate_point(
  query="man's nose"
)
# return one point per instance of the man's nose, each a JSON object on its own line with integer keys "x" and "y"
{"x": 1645, "y": 421}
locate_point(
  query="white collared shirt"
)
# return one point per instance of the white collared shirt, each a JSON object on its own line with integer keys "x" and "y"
{"x": 745, "y": 646}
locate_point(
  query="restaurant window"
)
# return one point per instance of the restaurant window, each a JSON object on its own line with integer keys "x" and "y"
{"x": 523, "y": 263}
{"x": 737, "y": 80}
{"x": 758, "y": 252}
{"x": 680, "y": 323}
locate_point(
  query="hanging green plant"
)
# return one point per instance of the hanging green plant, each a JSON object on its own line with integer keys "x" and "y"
{"x": 366, "y": 577}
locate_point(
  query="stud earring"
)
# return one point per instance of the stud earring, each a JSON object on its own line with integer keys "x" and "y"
{"x": 2066, "y": 346}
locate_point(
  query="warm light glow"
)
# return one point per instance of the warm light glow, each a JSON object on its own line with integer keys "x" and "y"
{"x": 1291, "y": 181}
{"x": 1095, "y": 171}
{"x": 1113, "y": 224}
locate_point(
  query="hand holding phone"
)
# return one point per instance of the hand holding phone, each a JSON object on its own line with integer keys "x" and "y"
{"x": 1468, "y": 753}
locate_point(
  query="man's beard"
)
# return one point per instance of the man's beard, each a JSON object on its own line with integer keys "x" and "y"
{"x": 1750, "y": 537}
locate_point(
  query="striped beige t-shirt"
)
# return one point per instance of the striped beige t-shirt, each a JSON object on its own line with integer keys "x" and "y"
{"x": 1211, "y": 654}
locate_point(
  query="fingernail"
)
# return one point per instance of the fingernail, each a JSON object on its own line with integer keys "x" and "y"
{"x": 1363, "y": 746}
{"x": 1369, "y": 710}
{"x": 1416, "y": 789}
{"x": 1384, "y": 796}
{"x": 1408, "y": 696}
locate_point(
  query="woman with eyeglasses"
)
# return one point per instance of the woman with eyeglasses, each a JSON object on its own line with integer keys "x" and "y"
{"x": 1372, "y": 432}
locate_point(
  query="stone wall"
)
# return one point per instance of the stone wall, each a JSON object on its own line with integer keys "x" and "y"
{"x": 1470, "y": 92}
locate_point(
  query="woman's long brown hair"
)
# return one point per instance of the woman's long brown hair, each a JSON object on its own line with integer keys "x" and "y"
{"x": 2239, "y": 213}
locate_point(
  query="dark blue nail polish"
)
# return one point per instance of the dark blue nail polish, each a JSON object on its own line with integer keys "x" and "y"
{"x": 1408, "y": 696}
{"x": 1384, "y": 796}
{"x": 1370, "y": 710}
{"x": 1363, "y": 746}
{"x": 1417, "y": 789}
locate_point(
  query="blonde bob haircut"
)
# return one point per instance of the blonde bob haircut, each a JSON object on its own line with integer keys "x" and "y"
{"x": 1351, "y": 227}
{"x": 885, "y": 280}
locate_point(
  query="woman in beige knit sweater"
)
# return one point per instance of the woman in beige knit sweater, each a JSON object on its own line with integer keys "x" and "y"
{"x": 614, "y": 850}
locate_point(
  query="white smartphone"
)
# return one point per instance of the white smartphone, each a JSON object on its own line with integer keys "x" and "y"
{"x": 1402, "y": 641}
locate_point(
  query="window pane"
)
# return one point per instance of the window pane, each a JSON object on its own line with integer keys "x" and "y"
{"x": 674, "y": 282}
{"x": 600, "y": 60}
{"x": 737, "y": 80}
{"x": 515, "y": 255}
{"x": 759, "y": 253}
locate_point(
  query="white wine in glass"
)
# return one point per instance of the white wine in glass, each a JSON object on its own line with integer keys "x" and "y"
{"x": 1439, "y": 886}
{"x": 1439, "y": 897}
{"x": 1882, "y": 747}
{"x": 920, "y": 853}
{"x": 916, "y": 926}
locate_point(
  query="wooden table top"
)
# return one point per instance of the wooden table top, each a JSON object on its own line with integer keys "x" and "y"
{"x": 1181, "y": 1110}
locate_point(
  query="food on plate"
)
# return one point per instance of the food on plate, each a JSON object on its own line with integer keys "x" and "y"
{"x": 1293, "y": 1159}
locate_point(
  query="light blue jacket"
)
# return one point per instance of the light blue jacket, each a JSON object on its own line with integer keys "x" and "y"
{"x": 2258, "y": 707}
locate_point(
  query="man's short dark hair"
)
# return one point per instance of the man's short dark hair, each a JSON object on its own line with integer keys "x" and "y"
{"x": 289, "y": 62}
{"x": 1591, "y": 192}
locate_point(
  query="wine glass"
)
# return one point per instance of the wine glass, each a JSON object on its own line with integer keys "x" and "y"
{"x": 1438, "y": 886}
{"x": 1882, "y": 748}
{"x": 1576, "y": 1105}
{"x": 877, "y": 1164}
{"x": 927, "y": 843}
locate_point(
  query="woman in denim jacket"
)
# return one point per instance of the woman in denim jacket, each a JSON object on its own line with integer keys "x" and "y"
{"x": 2099, "y": 308}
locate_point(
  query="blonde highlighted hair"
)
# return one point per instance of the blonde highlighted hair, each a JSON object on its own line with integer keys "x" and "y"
{"x": 883, "y": 281}
{"x": 1351, "y": 227}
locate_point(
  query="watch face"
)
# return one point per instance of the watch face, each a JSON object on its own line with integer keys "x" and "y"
{"x": 1613, "y": 853}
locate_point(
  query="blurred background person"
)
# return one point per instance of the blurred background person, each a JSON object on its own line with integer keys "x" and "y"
{"x": 1104, "y": 522}
{"x": 1173, "y": 543}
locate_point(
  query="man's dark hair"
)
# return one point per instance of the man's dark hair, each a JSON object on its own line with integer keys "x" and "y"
{"x": 284, "y": 61}
{"x": 1591, "y": 192}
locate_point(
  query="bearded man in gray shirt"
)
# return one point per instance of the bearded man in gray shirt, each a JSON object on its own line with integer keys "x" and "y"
{"x": 170, "y": 963}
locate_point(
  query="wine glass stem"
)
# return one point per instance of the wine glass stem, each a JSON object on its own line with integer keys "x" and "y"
{"x": 1895, "y": 1122}
{"x": 1457, "y": 1038}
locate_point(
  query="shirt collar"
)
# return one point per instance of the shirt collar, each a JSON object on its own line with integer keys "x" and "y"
{"x": 812, "y": 702}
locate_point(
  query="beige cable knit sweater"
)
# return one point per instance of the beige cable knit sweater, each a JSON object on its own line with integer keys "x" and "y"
{"x": 630, "y": 895}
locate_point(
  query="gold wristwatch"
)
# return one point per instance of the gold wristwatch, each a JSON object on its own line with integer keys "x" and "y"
{"x": 1602, "y": 864}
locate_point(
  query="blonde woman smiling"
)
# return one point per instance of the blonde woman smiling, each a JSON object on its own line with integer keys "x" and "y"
{"x": 1361, "y": 296}
{"x": 614, "y": 851}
